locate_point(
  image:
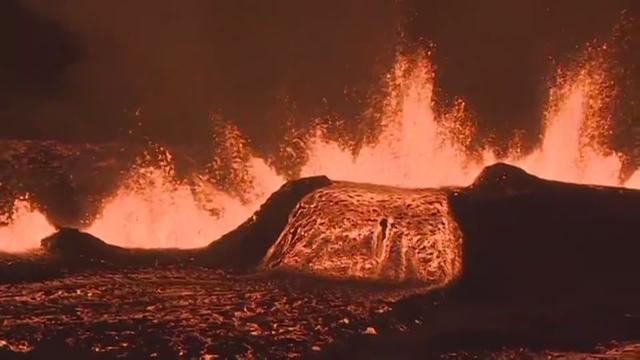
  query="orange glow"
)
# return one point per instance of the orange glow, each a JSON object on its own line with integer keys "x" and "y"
{"x": 27, "y": 227}
{"x": 372, "y": 232}
{"x": 572, "y": 148}
{"x": 416, "y": 148}
{"x": 152, "y": 209}
{"x": 634, "y": 181}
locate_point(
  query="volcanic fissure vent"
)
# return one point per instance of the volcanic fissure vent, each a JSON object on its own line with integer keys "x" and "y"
{"x": 364, "y": 231}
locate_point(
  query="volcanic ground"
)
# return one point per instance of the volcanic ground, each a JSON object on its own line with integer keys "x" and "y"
{"x": 534, "y": 269}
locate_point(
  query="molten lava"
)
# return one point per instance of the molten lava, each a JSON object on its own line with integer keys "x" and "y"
{"x": 416, "y": 148}
{"x": 25, "y": 229}
{"x": 572, "y": 147}
{"x": 371, "y": 232}
{"x": 153, "y": 210}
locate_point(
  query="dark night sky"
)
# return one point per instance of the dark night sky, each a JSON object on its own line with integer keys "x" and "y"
{"x": 69, "y": 69}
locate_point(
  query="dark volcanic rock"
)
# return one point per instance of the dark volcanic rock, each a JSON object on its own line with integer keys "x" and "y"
{"x": 248, "y": 243}
{"x": 504, "y": 179}
{"x": 552, "y": 237}
{"x": 553, "y": 264}
{"x": 76, "y": 248}
{"x": 72, "y": 243}
{"x": 19, "y": 268}
{"x": 546, "y": 265}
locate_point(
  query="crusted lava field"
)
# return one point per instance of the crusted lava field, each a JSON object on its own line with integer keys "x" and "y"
{"x": 547, "y": 269}
{"x": 184, "y": 312}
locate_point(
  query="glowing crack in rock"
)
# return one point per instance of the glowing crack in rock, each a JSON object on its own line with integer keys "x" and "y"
{"x": 352, "y": 230}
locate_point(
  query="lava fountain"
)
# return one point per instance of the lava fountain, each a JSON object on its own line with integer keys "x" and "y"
{"x": 416, "y": 148}
{"x": 25, "y": 227}
{"x": 572, "y": 146}
{"x": 153, "y": 209}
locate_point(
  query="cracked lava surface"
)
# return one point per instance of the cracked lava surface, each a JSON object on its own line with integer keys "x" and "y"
{"x": 181, "y": 312}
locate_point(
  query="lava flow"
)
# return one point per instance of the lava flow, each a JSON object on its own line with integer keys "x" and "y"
{"x": 330, "y": 233}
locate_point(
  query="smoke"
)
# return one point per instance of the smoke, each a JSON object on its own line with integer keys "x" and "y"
{"x": 159, "y": 70}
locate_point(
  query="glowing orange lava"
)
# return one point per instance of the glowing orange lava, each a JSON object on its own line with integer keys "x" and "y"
{"x": 416, "y": 148}
{"x": 27, "y": 227}
{"x": 152, "y": 209}
{"x": 371, "y": 232}
{"x": 571, "y": 148}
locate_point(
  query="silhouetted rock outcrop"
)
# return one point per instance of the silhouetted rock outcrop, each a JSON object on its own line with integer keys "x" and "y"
{"x": 548, "y": 236}
{"x": 79, "y": 249}
{"x": 72, "y": 243}
{"x": 504, "y": 179}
